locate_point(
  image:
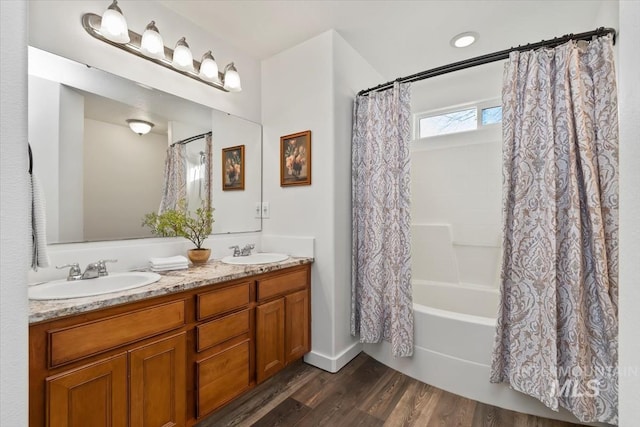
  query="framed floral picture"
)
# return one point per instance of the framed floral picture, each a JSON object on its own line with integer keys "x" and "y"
{"x": 295, "y": 159}
{"x": 233, "y": 168}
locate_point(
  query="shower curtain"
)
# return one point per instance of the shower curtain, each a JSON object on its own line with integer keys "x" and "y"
{"x": 381, "y": 303}
{"x": 557, "y": 325}
{"x": 175, "y": 180}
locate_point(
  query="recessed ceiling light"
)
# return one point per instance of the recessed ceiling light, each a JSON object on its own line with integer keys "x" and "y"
{"x": 464, "y": 39}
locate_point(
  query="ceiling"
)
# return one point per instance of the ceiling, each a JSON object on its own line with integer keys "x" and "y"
{"x": 397, "y": 38}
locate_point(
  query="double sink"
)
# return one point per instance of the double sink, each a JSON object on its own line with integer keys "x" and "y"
{"x": 115, "y": 282}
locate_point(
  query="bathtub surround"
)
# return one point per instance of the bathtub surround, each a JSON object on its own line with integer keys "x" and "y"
{"x": 381, "y": 305}
{"x": 557, "y": 332}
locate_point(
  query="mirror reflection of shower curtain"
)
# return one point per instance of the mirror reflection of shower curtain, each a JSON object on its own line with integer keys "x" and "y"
{"x": 198, "y": 182}
{"x": 175, "y": 183}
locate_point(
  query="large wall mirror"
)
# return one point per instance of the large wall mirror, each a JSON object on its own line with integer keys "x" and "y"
{"x": 100, "y": 178}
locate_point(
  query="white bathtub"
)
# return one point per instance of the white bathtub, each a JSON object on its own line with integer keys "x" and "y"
{"x": 454, "y": 334}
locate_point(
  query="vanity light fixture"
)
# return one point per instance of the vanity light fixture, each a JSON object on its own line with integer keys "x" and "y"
{"x": 464, "y": 39}
{"x": 232, "y": 79}
{"x": 152, "y": 44}
{"x": 140, "y": 127}
{"x": 112, "y": 28}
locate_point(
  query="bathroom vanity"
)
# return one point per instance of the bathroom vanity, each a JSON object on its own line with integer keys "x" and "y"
{"x": 170, "y": 353}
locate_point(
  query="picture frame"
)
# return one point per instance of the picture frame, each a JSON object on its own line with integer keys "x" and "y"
{"x": 233, "y": 168}
{"x": 295, "y": 159}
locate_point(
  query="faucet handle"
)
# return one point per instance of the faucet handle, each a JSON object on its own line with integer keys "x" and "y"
{"x": 74, "y": 270}
{"x": 236, "y": 250}
{"x": 102, "y": 267}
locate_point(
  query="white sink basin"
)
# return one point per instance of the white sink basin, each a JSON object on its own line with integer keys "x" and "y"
{"x": 257, "y": 258}
{"x": 62, "y": 289}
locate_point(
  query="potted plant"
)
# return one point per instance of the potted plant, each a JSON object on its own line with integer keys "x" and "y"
{"x": 179, "y": 222}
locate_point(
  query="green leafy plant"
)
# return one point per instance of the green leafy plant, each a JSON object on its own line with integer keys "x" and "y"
{"x": 180, "y": 223}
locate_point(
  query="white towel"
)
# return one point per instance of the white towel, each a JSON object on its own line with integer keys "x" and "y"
{"x": 159, "y": 269}
{"x": 168, "y": 261}
{"x": 40, "y": 257}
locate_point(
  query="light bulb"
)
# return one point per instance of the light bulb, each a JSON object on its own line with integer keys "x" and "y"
{"x": 152, "y": 44}
{"x": 113, "y": 26}
{"x": 182, "y": 57}
{"x": 232, "y": 79}
{"x": 209, "y": 68}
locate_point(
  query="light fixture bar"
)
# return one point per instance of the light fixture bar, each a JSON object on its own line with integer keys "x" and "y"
{"x": 91, "y": 23}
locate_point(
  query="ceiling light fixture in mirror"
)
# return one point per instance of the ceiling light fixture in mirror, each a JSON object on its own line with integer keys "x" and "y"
{"x": 112, "y": 28}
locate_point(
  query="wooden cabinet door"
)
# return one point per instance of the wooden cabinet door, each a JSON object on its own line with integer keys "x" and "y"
{"x": 94, "y": 395}
{"x": 221, "y": 377}
{"x": 297, "y": 323}
{"x": 158, "y": 383}
{"x": 269, "y": 339}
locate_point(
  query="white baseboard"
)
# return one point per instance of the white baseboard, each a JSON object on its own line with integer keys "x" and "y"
{"x": 333, "y": 364}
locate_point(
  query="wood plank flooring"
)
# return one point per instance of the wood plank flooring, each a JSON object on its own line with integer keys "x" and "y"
{"x": 364, "y": 393}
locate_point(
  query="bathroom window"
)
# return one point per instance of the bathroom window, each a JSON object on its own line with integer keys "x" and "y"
{"x": 454, "y": 121}
{"x": 491, "y": 115}
{"x": 461, "y": 119}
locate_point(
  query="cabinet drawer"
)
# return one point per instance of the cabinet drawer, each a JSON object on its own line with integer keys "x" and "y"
{"x": 222, "y": 300}
{"x": 222, "y": 377}
{"x": 282, "y": 284}
{"x": 75, "y": 342}
{"x": 220, "y": 330}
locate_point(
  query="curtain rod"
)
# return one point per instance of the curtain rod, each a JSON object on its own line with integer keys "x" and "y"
{"x": 491, "y": 57}
{"x": 190, "y": 139}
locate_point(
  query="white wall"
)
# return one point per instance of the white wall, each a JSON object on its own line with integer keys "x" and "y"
{"x": 55, "y": 26}
{"x": 311, "y": 86}
{"x": 113, "y": 209}
{"x": 629, "y": 314}
{"x": 14, "y": 215}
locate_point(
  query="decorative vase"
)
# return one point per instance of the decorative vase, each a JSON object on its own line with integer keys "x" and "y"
{"x": 199, "y": 256}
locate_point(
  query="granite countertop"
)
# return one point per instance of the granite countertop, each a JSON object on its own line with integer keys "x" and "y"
{"x": 169, "y": 283}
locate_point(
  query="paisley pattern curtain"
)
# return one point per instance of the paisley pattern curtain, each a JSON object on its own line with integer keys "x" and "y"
{"x": 381, "y": 303}
{"x": 175, "y": 180}
{"x": 557, "y": 324}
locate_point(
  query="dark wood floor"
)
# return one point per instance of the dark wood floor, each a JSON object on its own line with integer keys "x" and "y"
{"x": 364, "y": 393}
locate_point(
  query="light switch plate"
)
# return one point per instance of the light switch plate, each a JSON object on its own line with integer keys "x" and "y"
{"x": 265, "y": 210}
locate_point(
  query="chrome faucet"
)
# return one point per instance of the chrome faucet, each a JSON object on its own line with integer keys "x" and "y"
{"x": 246, "y": 251}
{"x": 74, "y": 272}
{"x": 93, "y": 270}
{"x": 97, "y": 269}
